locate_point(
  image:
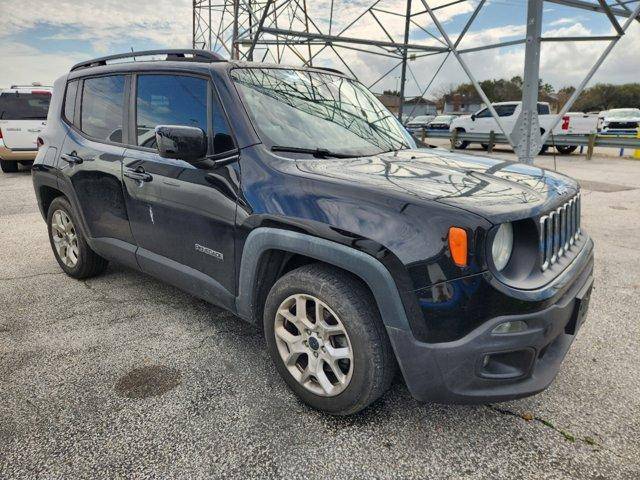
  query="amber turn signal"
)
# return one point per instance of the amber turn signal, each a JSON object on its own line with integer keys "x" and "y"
{"x": 458, "y": 245}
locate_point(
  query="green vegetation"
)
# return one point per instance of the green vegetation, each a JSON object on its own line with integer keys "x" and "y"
{"x": 601, "y": 96}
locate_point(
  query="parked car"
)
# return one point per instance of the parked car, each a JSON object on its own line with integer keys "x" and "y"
{"x": 418, "y": 123}
{"x": 619, "y": 121}
{"x": 353, "y": 250}
{"x": 483, "y": 122}
{"x": 441, "y": 122}
{"x": 23, "y": 114}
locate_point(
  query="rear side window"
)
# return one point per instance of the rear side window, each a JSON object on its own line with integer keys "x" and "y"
{"x": 169, "y": 100}
{"x": 101, "y": 116}
{"x": 24, "y": 106}
{"x": 543, "y": 109}
{"x": 70, "y": 101}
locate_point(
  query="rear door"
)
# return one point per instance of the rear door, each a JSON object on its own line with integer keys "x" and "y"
{"x": 91, "y": 160}
{"x": 182, "y": 214}
{"x": 23, "y": 115}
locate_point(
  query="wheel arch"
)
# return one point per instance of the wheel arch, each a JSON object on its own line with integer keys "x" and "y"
{"x": 47, "y": 195}
{"x": 270, "y": 252}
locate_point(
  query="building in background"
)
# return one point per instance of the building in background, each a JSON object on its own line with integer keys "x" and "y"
{"x": 457, "y": 103}
{"x": 419, "y": 106}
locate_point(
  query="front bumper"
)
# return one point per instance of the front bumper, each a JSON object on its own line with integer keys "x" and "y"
{"x": 18, "y": 155}
{"x": 520, "y": 364}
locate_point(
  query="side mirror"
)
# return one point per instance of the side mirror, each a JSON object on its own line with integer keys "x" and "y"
{"x": 181, "y": 142}
{"x": 473, "y": 117}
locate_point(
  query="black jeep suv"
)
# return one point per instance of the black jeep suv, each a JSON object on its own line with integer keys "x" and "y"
{"x": 292, "y": 198}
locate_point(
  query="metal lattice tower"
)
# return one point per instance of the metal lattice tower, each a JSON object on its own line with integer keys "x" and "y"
{"x": 302, "y": 32}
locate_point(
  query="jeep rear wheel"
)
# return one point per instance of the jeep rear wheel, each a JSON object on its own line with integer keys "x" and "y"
{"x": 69, "y": 246}
{"x": 326, "y": 338}
{"x": 8, "y": 166}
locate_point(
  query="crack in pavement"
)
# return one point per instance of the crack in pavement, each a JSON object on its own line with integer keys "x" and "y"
{"x": 20, "y": 277}
{"x": 528, "y": 417}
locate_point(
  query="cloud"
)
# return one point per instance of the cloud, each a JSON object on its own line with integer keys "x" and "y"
{"x": 24, "y": 64}
{"x": 105, "y": 26}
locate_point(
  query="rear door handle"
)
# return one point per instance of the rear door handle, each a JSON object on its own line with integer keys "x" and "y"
{"x": 138, "y": 174}
{"x": 71, "y": 158}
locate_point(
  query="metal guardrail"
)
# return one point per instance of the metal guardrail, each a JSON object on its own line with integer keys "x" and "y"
{"x": 589, "y": 140}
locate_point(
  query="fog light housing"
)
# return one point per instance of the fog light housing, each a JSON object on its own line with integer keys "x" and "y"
{"x": 515, "y": 326}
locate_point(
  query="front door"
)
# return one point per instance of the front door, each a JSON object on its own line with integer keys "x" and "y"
{"x": 182, "y": 215}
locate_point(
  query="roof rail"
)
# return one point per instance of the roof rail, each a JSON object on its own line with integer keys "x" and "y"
{"x": 34, "y": 84}
{"x": 329, "y": 69}
{"x": 203, "y": 56}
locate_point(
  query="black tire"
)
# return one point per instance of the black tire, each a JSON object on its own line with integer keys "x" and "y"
{"x": 8, "y": 166}
{"x": 566, "y": 149}
{"x": 374, "y": 363}
{"x": 461, "y": 144}
{"x": 485, "y": 146}
{"x": 89, "y": 263}
{"x": 26, "y": 163}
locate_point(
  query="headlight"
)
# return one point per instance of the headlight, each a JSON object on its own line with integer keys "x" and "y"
{"x": 502, "y": 246}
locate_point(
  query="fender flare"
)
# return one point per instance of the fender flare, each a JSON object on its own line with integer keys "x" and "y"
{"x": 364, "y": 266}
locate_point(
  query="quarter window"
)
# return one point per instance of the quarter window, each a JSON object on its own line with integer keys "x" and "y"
{"x": 543, "y": 109}
{"x": 70, "y": 100}
{"x": 169, "y": 100}
{"x": 102, "y": 108}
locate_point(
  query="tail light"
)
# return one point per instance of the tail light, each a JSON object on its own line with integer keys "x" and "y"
{"x": 565, "y": 122}
{"x": 0, "y": 134}
{"x": 39, "y": 142}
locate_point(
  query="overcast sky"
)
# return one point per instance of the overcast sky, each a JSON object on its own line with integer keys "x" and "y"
{"x": 40, "y": 40}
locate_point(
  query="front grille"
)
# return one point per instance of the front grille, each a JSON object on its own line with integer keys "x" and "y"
{"x": 623, "y": 124}
{"x": 559, "y": 230}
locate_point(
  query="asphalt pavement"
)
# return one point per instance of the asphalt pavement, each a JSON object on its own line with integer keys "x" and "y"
{"x": 123, "y": 376}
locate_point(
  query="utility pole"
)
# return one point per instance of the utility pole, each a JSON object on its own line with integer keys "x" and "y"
{"x": 403, "y": 75}
{"x": 235, "y": 48}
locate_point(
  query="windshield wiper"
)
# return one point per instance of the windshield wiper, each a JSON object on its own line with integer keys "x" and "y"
{"x": 316, "y": 152}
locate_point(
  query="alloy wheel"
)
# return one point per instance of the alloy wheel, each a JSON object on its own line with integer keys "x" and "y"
{"x": 65, "y": 238}
{"x": 314, "y": 345}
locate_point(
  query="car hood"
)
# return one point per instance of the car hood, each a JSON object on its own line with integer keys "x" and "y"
{"x": 496, "y": 189}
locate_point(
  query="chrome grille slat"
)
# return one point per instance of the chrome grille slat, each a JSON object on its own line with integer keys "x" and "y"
{"x": 558, "y": 232}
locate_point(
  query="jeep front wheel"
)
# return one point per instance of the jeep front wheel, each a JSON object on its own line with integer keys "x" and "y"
{"x": 326, "y": 338}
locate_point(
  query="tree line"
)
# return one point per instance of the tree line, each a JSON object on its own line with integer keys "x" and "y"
{"x": 602, "y": 96}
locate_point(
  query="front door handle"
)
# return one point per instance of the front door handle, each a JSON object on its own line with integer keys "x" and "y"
{"x": 138, "y": 174}
{"x": 71, "y": 158}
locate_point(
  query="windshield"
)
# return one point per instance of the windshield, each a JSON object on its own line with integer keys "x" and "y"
{"x": 311, "y": 110}
{"x": 624, "y": 113}
{"x": 24, "y": 106}
{"x": 442, "y": 118}
{"x": 421, "y": 119}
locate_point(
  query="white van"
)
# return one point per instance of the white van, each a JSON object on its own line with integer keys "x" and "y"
{"x": 23, "y": 115}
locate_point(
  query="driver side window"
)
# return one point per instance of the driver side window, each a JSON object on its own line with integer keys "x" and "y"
{"x": 169, "y": 100}
{"x": 484, "y": 113}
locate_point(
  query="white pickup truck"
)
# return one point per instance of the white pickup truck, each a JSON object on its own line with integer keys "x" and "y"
{"x": 23, "y": 115}
{"x": 483, "y": 122}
